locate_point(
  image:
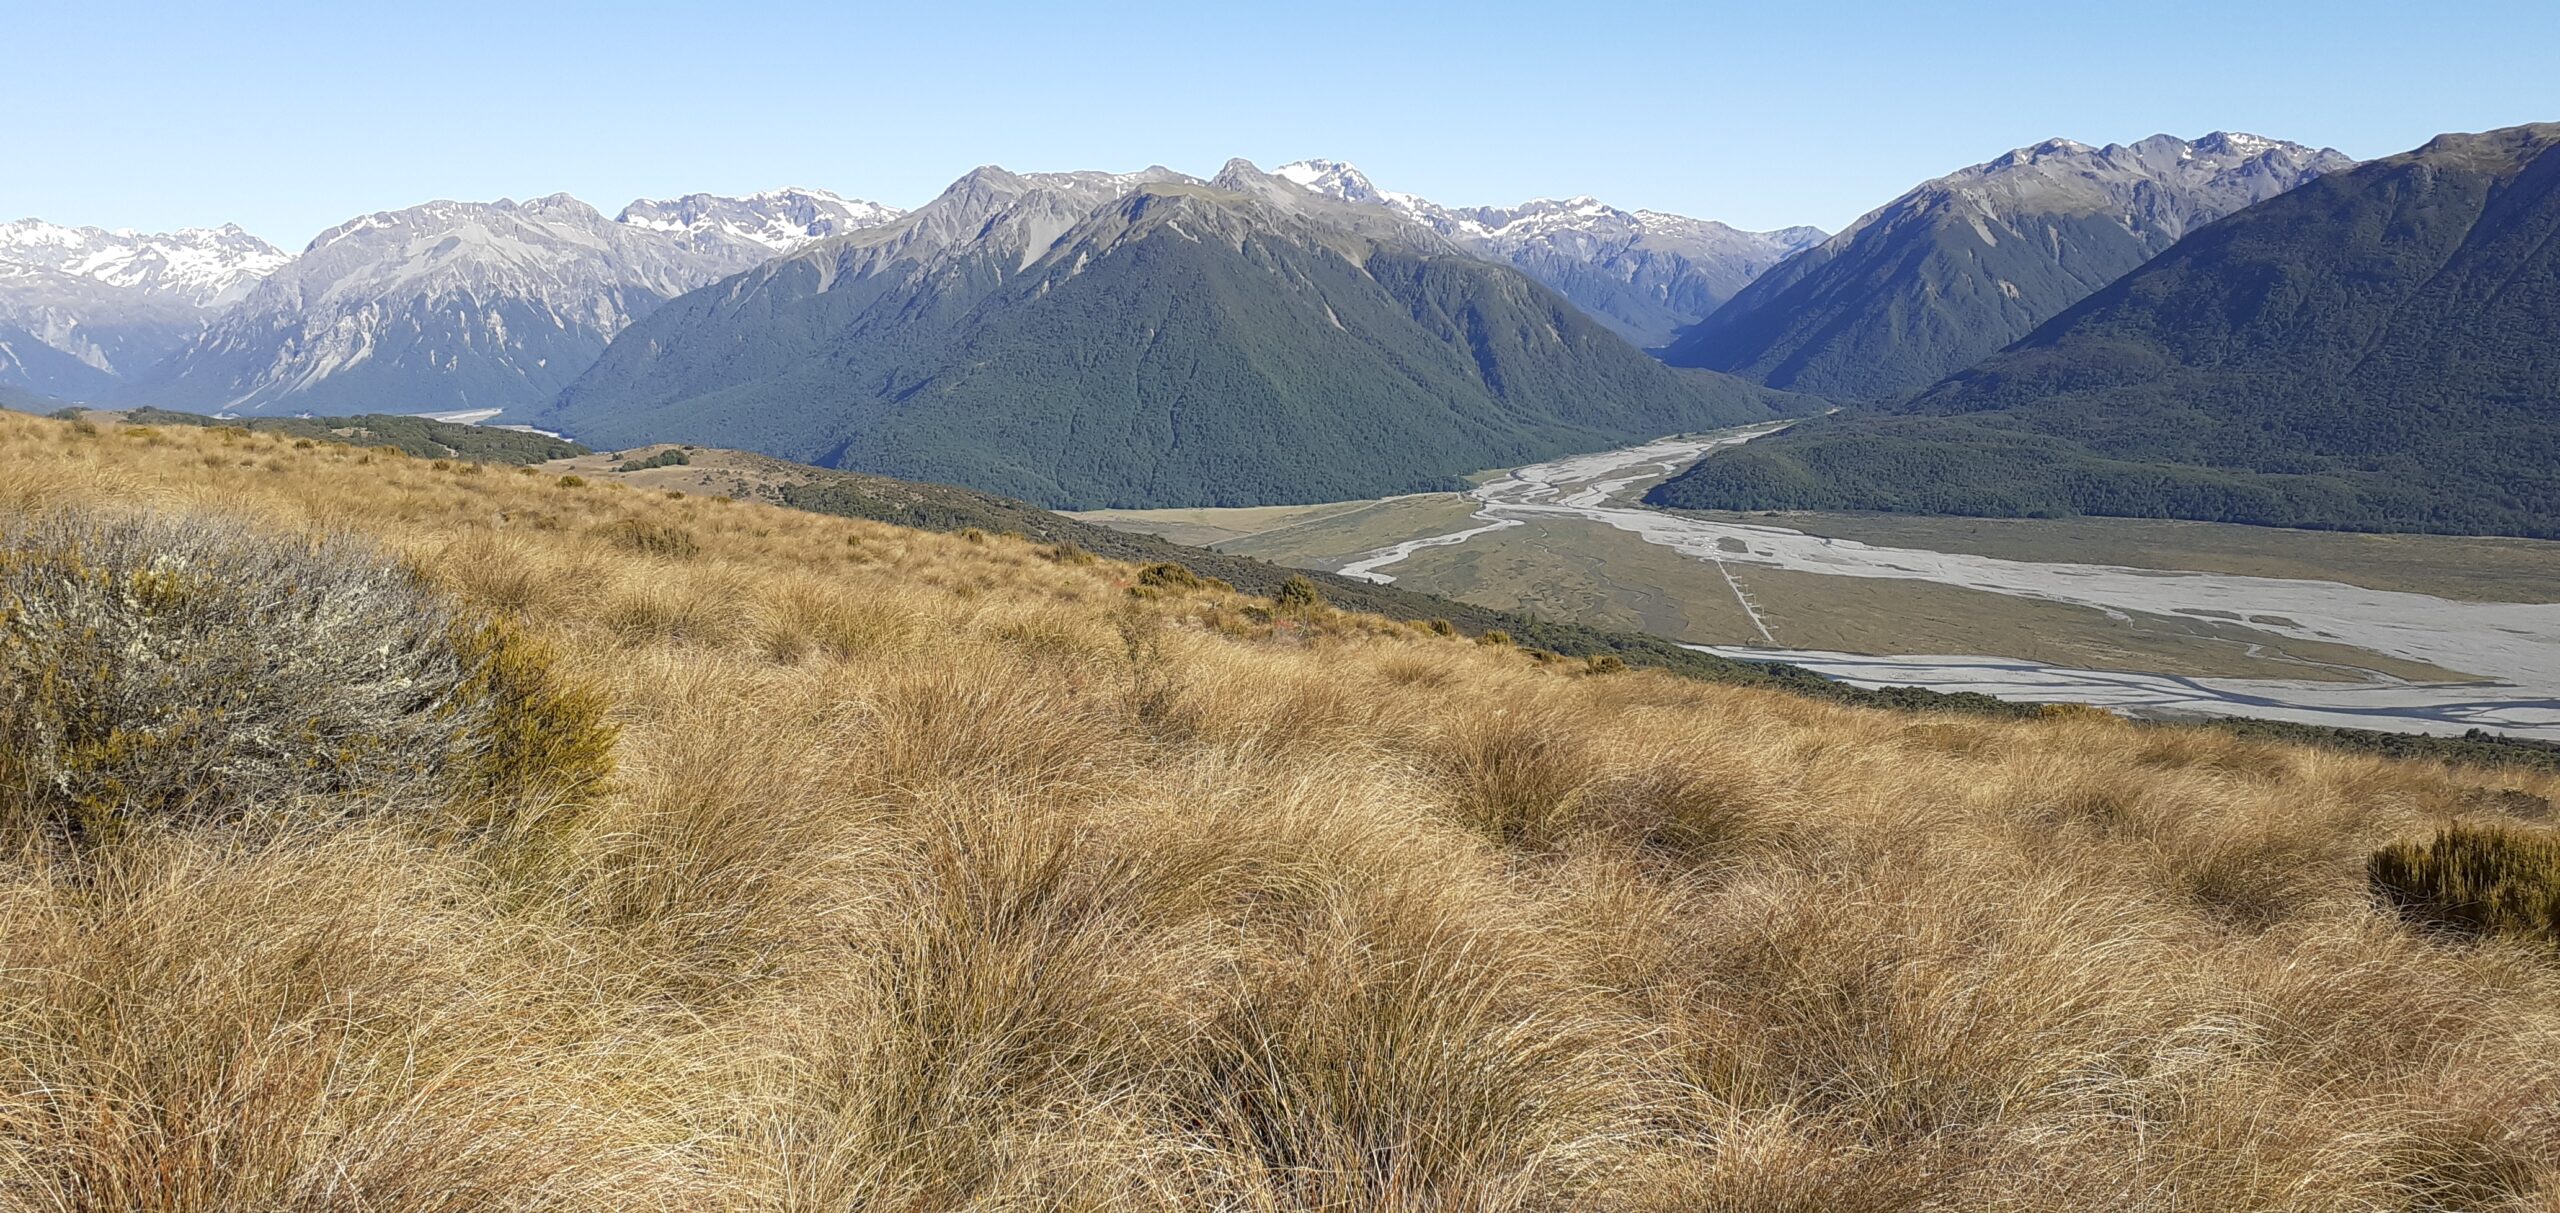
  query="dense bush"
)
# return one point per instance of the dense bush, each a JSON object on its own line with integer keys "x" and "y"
{"x": 1297, "y": 593}
{"x": 2479, "y": 880}
{"x": 674, "y": 456}
{"x": 186, "y": 673}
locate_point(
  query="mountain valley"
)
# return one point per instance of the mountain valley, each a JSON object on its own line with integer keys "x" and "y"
{"x": 1788, "y": 611}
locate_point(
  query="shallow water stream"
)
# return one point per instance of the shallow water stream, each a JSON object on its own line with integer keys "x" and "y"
{"x": 2515, "y": 645}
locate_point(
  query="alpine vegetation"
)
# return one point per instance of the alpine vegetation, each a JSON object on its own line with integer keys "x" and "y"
{"x": 189, "y": 672}
{"x": 955, "y": 872}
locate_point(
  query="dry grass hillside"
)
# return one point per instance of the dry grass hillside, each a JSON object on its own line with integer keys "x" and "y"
{"x": 941, "y": 873}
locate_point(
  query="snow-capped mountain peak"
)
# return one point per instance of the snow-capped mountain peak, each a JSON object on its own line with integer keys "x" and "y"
{"x": 1332, "y": 178}
{"x": 444, "y": 305}
{"x": 780, "y": 220}
{"x": 203, "y": 267}
{"x": 1643, "y": 273}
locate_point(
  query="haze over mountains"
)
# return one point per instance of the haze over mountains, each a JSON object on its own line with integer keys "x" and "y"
{"x": 1967, "y": 263}
{"x": 443, "y": 305}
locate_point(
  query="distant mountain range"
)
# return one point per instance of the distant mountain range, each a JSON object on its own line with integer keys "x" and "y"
{"x": 83, "y": 307}
{"x": 202, "y": 267}
{"x": 445, "y": 305}
{"x": 442, "y": 306}
{"x": 1148, "y": 338}
{"x": 2378, "y": 349}
{"x": 778, "y": 220}
{"x": 1645, "y": 274}
{"x": 1965, "y": 264}
{"x": 457, "y": 304}
{"x": 2231, "y": 327}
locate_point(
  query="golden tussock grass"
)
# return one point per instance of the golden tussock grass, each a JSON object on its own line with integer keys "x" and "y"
{"x": 942, "y": 873}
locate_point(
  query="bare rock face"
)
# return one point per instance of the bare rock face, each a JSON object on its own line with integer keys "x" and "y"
{"x": 445, "y": 305}
{"x": 81, "y": 308}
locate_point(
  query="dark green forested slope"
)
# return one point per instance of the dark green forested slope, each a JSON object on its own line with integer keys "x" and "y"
{"x": 2378, "y": 350}
{"x": 1967, "y": 263}
{"x": 1179, "y": 345}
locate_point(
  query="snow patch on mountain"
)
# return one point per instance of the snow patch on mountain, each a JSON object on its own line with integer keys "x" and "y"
{"x": 1644, "y": 273}
{"x": 204, "y": 267}
{"x": 780, "y": 220}
{"x": 443, "y": 305}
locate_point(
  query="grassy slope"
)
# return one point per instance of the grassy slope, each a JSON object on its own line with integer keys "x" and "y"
{"x": 2371, "y": 352}
{"x": 939, "y": 874}
{"x": 417, "y": 436}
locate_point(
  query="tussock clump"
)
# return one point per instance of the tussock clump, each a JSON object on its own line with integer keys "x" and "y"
{"x": 808, "y": 616}
{"x": 650, "y": 538}
{"x": 188, "y": 672}
{"x": 2478, "y": 880}
{"x": 1520, "y": 777}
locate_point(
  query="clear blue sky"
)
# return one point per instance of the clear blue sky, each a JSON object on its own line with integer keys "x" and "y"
{"x": 289, "y": 117}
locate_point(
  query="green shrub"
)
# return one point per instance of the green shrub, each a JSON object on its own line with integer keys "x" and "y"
{"x": 2478, "y": 880}
{"x": 536, "y": 733}
{"x": 1298, "y": 593}
{"x": 671, "y": 457}
{"x": 573, "y": 482}
{"x": 650, "y": 538}
{"x": 157, "y": 673}
{"x": 1167, "y": 575}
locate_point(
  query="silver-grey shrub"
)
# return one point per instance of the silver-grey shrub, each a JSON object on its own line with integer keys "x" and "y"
{"x": 190, "y": 671}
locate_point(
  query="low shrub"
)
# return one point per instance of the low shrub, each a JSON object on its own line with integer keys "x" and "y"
{"x": 534, "y": 733}
{"x": 185, "y": 673}
{"x": 1605, "y": 663}
{"x": 573, "y": 482}
{"x": 2477, "y": 880}
{"x": 1298, "y": 593}
{"x": 2088, "y": 712}
{"x": 1495, "y": 639}
{"x": 1168, "y": 575}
